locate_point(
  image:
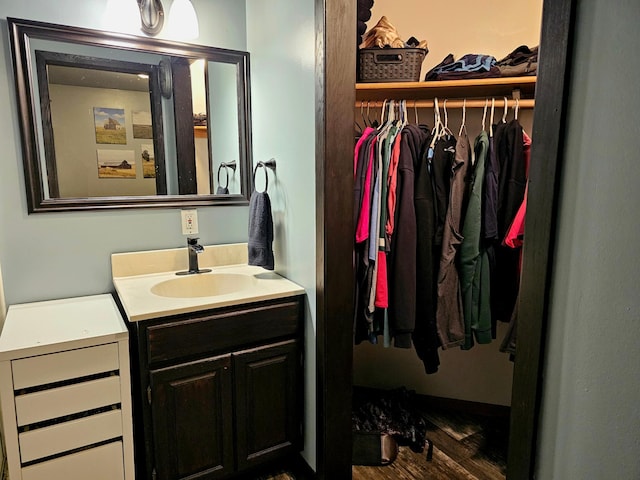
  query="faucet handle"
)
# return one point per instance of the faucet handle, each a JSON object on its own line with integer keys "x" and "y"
{"x": 192, "y": 240}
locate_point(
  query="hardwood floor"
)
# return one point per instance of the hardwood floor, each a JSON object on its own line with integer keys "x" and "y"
{"x": 466, "y": 446}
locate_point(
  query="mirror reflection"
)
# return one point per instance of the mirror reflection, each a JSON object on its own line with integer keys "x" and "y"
{"x": 136, "y": 123}
{"x": 101, "y": 138}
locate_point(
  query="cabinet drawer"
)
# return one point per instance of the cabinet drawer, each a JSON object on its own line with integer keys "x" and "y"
{"x": 100, "y": 463}
{"x": 55, "y": 367}
{"x": 43, "y": 442}
{"x": 223, "y": 331}
{"x": 58, "y": 402}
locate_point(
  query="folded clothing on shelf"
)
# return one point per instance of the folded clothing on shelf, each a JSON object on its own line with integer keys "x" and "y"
{"x": 385, "y": 35}
{"x": 522, "y": 61}
{"x": 469, "y": 66}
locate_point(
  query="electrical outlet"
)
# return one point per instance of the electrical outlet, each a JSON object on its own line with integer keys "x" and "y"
{"x": 189, "y": 221}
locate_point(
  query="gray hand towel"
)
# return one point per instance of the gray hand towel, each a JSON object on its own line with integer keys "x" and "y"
{"x": 260, "y": 231}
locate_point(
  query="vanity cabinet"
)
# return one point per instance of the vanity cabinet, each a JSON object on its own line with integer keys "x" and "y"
{"x": 218, "y": 392}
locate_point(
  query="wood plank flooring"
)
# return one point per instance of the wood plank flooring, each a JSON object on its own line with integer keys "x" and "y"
{"x": 466, "y": 447}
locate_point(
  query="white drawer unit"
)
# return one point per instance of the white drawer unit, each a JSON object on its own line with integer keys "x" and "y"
{"x": 65, "y": 391}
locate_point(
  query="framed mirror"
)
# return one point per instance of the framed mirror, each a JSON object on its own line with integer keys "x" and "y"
{"x": 117, "y": 121}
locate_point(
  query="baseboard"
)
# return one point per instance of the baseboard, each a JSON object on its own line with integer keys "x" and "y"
{"x": 454, "y": 404}
{"x": 466, "y": 406}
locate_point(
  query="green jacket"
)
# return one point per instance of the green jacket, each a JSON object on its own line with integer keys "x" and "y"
{"x": 474, "y": 261}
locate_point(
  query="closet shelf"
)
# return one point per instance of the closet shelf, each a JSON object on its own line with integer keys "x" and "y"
{"x": 473, "y": 88}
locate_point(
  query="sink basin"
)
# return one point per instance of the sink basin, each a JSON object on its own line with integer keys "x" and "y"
{"x": 203, "y": 285}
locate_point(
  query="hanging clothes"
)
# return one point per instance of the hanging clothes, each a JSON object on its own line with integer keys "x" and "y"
{"x": 437, "y": 236}
{"x": 515, "y": 233}
{"x": 475, "y": 282}
{"x": 362, "y": 204}
{"x": 425, "y": 335}
{"x": 402, "y": 258}
{"x": 441, "y": 159}
{"x": 364, "y": 215}
{"x": 378, "y": 295}
{"x": 514, "y": 239}
{"x": 383, "y": 154}
{"x": 449, "y": 304}
{"x": 511, "y": 186}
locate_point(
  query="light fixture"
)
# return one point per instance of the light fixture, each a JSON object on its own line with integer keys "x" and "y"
{"x": 151, "y": 16}
{"x": 183, "y": 21}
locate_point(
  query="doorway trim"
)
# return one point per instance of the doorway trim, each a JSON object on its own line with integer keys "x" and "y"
{"x": 549, "y": 123}
{"x": 335, "y": 98}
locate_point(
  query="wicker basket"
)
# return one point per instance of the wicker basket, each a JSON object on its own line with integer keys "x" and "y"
{"x": 390, "y": 64}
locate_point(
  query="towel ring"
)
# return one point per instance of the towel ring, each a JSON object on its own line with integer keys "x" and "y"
{"x": 268, "y": 164}
{"x": 232, "y": 166}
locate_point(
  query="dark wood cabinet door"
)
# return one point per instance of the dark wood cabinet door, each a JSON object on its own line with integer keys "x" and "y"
{"x": 191, "y": 409}
{"x": 268, "y": 410}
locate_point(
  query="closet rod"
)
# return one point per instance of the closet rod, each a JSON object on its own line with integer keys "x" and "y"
{"x": 499, "y": 102}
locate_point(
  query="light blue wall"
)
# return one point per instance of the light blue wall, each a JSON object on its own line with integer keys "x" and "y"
{"x": 591, "y": 404}
{"x": 58, "y": 255}
{"x": 281, "y": 40}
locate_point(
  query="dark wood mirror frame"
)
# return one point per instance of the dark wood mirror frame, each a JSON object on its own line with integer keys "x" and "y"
{"x": 22, "y": 31}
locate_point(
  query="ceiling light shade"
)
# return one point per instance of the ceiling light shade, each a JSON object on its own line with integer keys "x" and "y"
{"x": 151, "y": 16}
{"x": 183, "y": 21}
{"x": 121, "y": 16}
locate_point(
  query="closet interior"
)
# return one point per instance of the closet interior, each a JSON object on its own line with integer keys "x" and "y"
{"x": 457, "y": 123}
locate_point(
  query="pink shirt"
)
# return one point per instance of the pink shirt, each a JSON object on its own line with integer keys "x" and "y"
{"x": 362, "y": 228}
{"x": 356, "y": 151}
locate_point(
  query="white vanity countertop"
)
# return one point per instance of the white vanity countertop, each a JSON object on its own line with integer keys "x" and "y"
{"x": 140, "y": 303}
{"x": 44, "y": 327}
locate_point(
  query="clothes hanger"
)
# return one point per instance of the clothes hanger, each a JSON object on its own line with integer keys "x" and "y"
{"x": 435, "y": 132}
{"x": 484, "y": 114}
{"x": 384, "y": 107}
{"x": 493, "y": 105}
{"x": 446, "y": 120}
{"x": 391, "y": 111}
{"x": 404, "y": 117}
{"x": 464, "y": 116}
{"x": 516, "y": 108}
{"x": 415, "y": 108}
{"x": 504, "y": 114}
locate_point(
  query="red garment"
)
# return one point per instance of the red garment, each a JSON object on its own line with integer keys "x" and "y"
{"x": 362, "y": 229}
{"x": 356, "y": 152}
{"x": 392, "y": 182}
{"x": 515, "y": 234}
{"x": 382, "y": 290}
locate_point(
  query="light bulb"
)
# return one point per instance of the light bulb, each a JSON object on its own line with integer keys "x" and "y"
{"x": 121, "y": 16}
{"x": 183, "y": 21}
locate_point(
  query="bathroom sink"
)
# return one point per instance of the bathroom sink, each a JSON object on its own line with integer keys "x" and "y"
{"x": 148, "y": 287}
{"x": 203, "y": 285}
